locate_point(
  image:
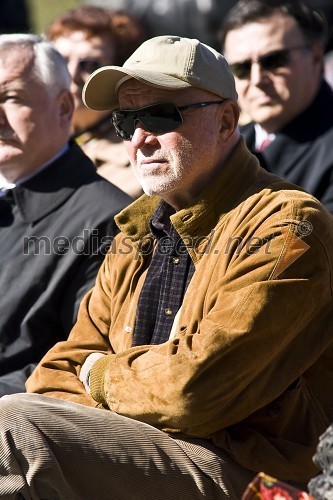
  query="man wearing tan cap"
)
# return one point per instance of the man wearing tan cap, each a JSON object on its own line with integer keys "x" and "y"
{"x": 203, "y": 354}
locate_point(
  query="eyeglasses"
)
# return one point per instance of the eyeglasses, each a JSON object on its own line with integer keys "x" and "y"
{"x": 157, "y": 119}
{"x": 268, "y": 62}
{"x": 88, "y": 66}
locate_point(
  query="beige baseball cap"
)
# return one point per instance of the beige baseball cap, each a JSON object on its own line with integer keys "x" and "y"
{"x": 168, "y": 62}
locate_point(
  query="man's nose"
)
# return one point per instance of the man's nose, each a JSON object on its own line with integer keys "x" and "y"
{"x": 257, "y": 74}
{"x": 141, "y": 135}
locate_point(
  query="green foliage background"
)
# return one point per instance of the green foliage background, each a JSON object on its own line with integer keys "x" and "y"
{"x": 42, "y": 12}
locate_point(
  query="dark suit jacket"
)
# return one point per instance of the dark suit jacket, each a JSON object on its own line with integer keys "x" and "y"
{"x": 303, "y": 150}
{"x": 54, "y": 230}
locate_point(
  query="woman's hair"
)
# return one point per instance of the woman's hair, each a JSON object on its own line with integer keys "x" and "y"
{"x": 49, "y": 66}
{"x": 125, "y": 31}
{"x": 311, "y": 22}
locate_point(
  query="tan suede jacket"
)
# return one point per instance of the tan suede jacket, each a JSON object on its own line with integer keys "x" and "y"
{"x": 249, "y": 363}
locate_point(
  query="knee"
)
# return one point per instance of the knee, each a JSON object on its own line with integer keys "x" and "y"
{"x": 13, "y": 408}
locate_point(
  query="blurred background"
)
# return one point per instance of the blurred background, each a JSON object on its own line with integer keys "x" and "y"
{"x": 42, "y": 12}
{"x": 193, "y": 18}
{"x": 31, "y": 15}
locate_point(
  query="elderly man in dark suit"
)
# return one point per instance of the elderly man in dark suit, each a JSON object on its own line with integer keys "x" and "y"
{"x": 56, "y": 213}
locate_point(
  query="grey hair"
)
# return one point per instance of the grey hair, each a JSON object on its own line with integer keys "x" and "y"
{"x": 49, "y": 67}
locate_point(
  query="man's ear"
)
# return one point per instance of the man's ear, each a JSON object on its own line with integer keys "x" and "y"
{"x": 66, "y": 107}
{"x": 229, "y": 119}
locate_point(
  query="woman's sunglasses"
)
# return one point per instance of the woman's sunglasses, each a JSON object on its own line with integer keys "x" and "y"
{"x": 157, "y": 119}
{"x": 88, "y": 66}
{"x": 268, "y": 62}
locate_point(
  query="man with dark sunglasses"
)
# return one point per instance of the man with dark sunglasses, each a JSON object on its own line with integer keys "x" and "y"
{"x": 275, "y": 50}
{"x": 203, "y": 354}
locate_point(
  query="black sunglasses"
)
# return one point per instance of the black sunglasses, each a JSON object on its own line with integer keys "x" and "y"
{"x": 268, "y": 62}
{"x": 88, "y": 66}
{"x": 157, "y": 119}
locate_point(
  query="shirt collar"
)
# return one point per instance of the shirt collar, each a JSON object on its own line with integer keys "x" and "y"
{"x": 160, "y": 220}
{"x": 261, "y": 135}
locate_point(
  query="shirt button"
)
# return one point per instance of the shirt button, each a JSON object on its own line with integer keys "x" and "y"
{"x": 175, "y": 260}
{"x": 168, "y": 311}
{"x": 128, "y": 329}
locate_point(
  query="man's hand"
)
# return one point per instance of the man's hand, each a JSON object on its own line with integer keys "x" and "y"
{"x": 86, "y": 367}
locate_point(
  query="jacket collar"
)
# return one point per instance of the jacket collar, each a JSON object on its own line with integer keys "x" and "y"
{"x": 198, "y": 220}
{"x": 48, "y": 189}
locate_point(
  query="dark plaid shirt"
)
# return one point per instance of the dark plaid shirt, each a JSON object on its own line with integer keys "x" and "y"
{"x": 168, "y": 276}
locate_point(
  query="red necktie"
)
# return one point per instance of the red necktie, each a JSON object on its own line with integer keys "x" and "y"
{"x": 266, "y": 142}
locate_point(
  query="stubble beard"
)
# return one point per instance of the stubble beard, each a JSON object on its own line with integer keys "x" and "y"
{"x": 171, "y": 176}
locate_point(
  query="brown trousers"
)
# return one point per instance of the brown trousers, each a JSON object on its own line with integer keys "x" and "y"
{"x": 51, "y": 449}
